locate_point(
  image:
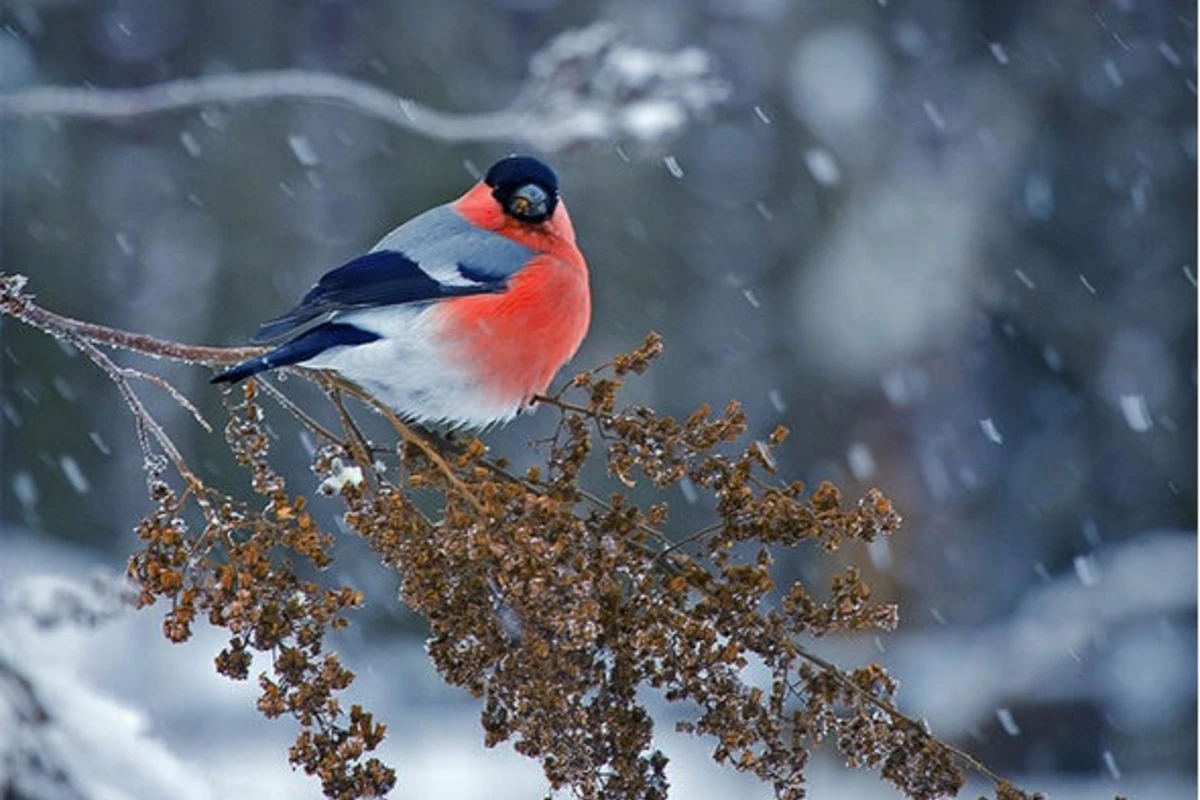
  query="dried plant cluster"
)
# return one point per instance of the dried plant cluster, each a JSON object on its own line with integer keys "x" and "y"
{"x": 557, "y": 607}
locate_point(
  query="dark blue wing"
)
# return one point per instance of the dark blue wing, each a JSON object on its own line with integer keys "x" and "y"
{"x": 303, "y": 347}
{"x": 382, "y": 277}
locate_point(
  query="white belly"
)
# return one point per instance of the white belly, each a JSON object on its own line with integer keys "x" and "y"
{"x": 410, "y": 370}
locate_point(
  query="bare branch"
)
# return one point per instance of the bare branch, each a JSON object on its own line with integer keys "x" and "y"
{"x": 176, "y": 395}
{"x": 839, "y": 675}
{"x": 584, "y": 86}
{"x": 296, "y": 411}
{"x": 254, "y": 87}
{"x": 142, "y": 418}
{"x": 19, "y": 304}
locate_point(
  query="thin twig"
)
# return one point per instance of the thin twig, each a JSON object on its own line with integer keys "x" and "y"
{"x": 175, "y": 394}
{"x": 20, "y": 305}
{"x": 406, "y": 433}
{"x": 356, "y": 443}
{"x": 604, "y": 505}
{"x": 831, "y": 669}
{"x": 142, "y": 417}
{"x": 565, "y": 406}
{"x": 707, "y": 530}
{"x": 296, "y": 411}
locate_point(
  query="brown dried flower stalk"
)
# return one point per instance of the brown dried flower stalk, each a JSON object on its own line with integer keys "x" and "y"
{"x": 557, "y": 607}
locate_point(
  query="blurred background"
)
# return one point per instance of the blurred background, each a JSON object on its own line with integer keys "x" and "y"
{"x": 951, "y": 246}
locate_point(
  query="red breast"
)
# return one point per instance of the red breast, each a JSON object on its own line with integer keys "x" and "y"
{"x": 515, "y": 341}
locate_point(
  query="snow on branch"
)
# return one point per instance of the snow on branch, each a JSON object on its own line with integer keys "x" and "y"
{"x": 585, "y": 86}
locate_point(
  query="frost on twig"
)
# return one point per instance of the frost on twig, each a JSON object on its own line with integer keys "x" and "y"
{"x": 586, "y": 86}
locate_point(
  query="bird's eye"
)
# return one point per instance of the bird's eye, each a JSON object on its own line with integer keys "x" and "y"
{"x": 529, "y": 203}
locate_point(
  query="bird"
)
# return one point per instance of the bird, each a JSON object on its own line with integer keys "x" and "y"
{"x": 460, "y": 317}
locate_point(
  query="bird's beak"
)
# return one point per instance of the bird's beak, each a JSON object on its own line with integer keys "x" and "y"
{"x": 530, "y": 201}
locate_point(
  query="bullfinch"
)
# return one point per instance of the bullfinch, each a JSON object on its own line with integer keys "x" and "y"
{"x": 459, "y": 316}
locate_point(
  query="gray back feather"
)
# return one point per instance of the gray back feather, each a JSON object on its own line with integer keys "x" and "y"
{"x": 453, "y": 251}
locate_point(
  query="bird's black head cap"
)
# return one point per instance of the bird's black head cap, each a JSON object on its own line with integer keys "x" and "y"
{"x": 526, "y": 188}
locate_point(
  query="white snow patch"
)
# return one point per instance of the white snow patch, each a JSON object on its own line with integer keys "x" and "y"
{"x": 1007, "y": 722}
{"x": 880, "y": 553}
{"x": 935, "y": 116}
{"x": 822, "y": 166}
{"x": 1085, "y": 570}
{"x": 25, "y": 488}
{"x": 862, "y": 463}
{"x": 340, "y": 477}
{"x": 74, "y": 474}
{"x": 1170, "y": 54}
{"x": 64, "y": 389}
{"x": 214, "y": 118}
{"x": 99, "y": 442}
{"x": 124, "y": 242}
{"x": 1052, "y": 358}
{"x": 11, "y": 414}
{"x": 1137, "y": 413}
{"x": 653, "y": 119}
{"x": 1113, "y": 74}
{"x": 188, "y": 140}
{"x": 837, "y": 79}
{"x": 302, "y": 149}
{"x": 1110, "y": 764}
{"x": 1039, "y": 196}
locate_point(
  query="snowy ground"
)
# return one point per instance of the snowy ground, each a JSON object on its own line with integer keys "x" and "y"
{"x": 131, "y": 716}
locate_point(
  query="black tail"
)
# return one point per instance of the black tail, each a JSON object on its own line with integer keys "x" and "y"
{"x": 302, "y": 348}
{"x": 243, "y": 370}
